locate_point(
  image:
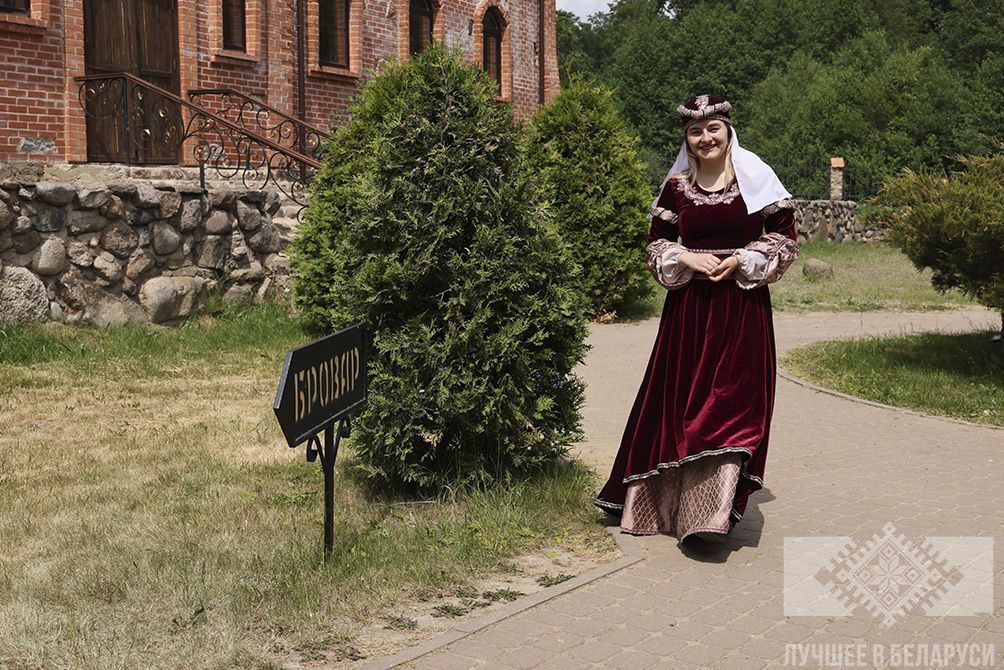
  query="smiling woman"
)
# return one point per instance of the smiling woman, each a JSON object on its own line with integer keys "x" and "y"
{"x": 695, "y": 444}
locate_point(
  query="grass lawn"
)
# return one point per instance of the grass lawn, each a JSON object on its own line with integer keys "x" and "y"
{"x": 866, "y": 277}
{"x": 954, "y": 375}
{"x": 154, "y": 518}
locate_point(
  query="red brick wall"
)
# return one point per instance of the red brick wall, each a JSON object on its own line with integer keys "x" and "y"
{"x": 40, "y": 118}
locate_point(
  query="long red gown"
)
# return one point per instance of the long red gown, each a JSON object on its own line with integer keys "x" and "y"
{"x": 695, "y": 443}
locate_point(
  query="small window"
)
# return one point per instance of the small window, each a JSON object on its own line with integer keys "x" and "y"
{"x": 333, "y": 33}
{"x": 233, "y": 25}
{"x": 420, "y": 25}
{"x": 15, "y": 6}
{"x": 492, "y": 57}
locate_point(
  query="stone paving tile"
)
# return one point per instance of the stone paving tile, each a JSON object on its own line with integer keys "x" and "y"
{"x": 631, "y": 660}
{"x": 858, "y": 468}
{"x": 525, "y": 658}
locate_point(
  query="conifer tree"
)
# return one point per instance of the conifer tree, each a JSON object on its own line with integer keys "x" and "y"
{"x": 427, "y": 223}
{"x": 589, "y": 163}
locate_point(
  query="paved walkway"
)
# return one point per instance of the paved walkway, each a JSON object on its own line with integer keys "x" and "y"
{"x": 836, "y": 468}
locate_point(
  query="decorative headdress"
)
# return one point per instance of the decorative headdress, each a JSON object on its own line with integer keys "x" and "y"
{"x": 758, "y": 184}
{"x": 703, "y": 108}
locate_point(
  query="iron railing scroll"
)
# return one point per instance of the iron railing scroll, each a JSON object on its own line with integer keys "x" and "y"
{"x": 153, "y": 119}
{"x": 254, "y": 114}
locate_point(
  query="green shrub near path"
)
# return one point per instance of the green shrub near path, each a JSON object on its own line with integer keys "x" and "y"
{"x": 954, "y": 227}
{"x": 427, "y": 223}
{"x": 588, "y": 161}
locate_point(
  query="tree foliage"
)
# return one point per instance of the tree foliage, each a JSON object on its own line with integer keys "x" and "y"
{"x": 427, "y": 223}
{"x": 954, "y": 226}
{"x": 587, "y": 160}
{"x": 888, "y": 85}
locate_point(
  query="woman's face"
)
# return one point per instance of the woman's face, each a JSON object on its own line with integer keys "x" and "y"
{"x": 708, "y": 139}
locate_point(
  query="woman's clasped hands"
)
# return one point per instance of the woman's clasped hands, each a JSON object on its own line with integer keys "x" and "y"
{"x": 709, "y": 264}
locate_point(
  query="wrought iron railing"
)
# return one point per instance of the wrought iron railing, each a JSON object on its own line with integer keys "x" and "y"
{"x": 154, "y": 120}
{"x": 256, "y": 115}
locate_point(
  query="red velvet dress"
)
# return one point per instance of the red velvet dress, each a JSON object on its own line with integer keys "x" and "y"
{"x": 708, "y": 390}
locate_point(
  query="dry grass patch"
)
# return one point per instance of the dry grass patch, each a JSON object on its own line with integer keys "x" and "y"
{"x": 154, "y": 518}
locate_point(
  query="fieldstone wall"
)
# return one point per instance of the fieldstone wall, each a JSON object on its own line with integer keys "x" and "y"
{"x": 133, "y": 252}
{"x": 835, "y": 220}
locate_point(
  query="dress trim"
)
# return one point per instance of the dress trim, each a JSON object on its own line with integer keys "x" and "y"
{"x": 714, "y": 251}
{"x": 687, "y": 459}
{"x": 603, "y": 504}
{"x": 725, "y": 197}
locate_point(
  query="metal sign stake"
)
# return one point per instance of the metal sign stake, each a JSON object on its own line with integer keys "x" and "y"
{"x": 321, "y": 384}
{"x": 328, "y": 453}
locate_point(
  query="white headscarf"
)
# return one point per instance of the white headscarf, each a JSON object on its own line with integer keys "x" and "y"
{"x": 758, "y": 184}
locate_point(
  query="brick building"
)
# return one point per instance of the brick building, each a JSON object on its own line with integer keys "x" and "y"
{"x": 302, "y": 57}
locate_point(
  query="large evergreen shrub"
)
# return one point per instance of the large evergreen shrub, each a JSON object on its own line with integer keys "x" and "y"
{"x": 427, "y": 223}
{"x": 589, "y": 163}
{"x": 953, "y": 226}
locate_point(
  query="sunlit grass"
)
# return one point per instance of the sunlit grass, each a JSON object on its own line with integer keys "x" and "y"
{"x": 866, "y": 277}
{"x": 954, "y": 375}
{"x": 154, "y": 518}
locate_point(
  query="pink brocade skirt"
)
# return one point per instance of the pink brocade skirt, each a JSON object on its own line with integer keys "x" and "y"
{"x": 695, "y": 497}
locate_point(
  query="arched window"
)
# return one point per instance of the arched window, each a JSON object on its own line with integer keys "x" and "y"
{"x": 233, "y": 25}
{"x": 333, "y": 32}
{"x": 420, "y": 25}
{"x": 492, "y": 42}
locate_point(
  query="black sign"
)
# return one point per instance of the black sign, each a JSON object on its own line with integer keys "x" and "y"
{"x": 321, "y": 382}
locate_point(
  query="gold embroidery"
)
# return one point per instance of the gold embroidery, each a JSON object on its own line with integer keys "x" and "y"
{"x": 722, "y": 198}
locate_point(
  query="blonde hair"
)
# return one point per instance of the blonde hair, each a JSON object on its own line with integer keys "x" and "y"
{"x": 693, "y": 161}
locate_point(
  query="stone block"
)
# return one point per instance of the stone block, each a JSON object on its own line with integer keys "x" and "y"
{"x": 212, "y": 253}
{"x": 165, "y": 239}
{"x": 170, "y": 204}
{"x": 119, "y": 238}
{"x": 22, "y": 296}
{"x": 191, "y": 215}
{"x": 169, "y": 298}
{"x": 27, "y": 241}
{"x": 50, "y": 219}
{"x": 220, "y": 222}
{"x": 78, "y": 254}
{"x": 267, "y": 240}
{"x": 51, "y": 258}
{"x": 57, "y": 194}
{"x": 248, "y": 217}
{"x": 108, "y": 267}
{"x": 139, "y": 263}
{"x": 94, "y": 198}
{"x": 148, "y": 197}
{"x": 85, "y": 221}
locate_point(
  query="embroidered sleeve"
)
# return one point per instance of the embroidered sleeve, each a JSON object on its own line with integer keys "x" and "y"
{"x": 663, "y": 262}
{"x": 765, "y": 260}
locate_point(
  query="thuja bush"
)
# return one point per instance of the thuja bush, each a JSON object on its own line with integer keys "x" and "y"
{"x": 953, "y": 226}
{"x": 427, "y": 223}
{"x": 590, "y": 166}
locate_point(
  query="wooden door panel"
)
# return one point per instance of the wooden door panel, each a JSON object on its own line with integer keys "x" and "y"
{"x": 139, "y": 37}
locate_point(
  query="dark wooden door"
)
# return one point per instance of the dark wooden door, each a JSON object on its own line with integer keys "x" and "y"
{"x": 139, "y": 37}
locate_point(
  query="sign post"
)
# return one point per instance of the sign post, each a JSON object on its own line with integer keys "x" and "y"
{"x": 321, "y": 383}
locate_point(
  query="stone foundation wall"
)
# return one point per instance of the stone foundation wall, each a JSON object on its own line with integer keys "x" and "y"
{"x": 133, "y": 252}
{"x": 834, "y": 220}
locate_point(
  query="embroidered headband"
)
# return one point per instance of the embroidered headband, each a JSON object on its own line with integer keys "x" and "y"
{"x": 703, "y": 108}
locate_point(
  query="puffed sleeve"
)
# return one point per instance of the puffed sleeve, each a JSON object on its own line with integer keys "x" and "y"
{"x": 765, "y": 260}
{"x": 664, "y": 248}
